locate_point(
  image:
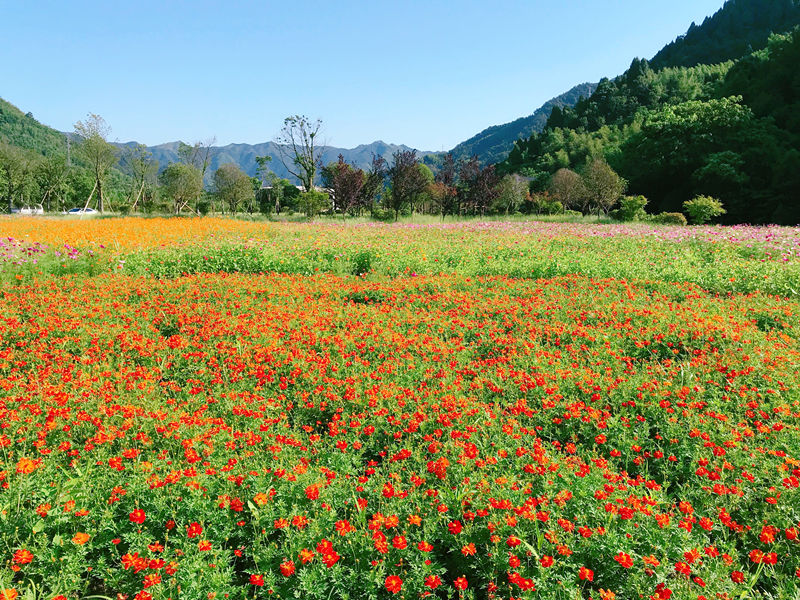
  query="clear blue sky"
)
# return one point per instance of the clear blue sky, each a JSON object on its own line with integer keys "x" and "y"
{"x": 427, "y": 74}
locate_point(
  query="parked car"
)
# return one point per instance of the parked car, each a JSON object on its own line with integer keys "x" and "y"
{"x": 82, "y": 211}
{"x": 34, "y": 209}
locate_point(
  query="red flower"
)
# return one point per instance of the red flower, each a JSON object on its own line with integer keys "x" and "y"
{"x": 257, "y": 580}
{"x": 137, "y": 516}
{"x": 23, "y": 556}
{"x": 455, "y": 527}
{"x": 624, "y": 559}
{"x": 586, "y": 574}
{"x": 737, "y": 577}
{"x": 546, "y": 561}
{"x": 433, "y": 581}
{"x": 287, "y": 568}
{"x": 194, "y": 529}
{"x": 312, "y": 492}
{"x": 461, "y": 583}
{"x": 393, "y": 584}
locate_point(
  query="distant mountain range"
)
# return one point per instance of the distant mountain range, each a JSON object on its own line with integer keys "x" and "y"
{"x": 245, "y": 155}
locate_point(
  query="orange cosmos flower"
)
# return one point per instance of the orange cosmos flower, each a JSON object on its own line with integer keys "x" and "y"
{"x": 80, "y": 538}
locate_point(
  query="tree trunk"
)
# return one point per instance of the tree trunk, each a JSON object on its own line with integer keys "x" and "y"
{"x": 89, "y": 199}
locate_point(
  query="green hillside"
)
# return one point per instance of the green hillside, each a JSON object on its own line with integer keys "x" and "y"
{"x": 736, "y": 29}
{"x": 729, "y": 130}
{"x": 24, "y": 131}
{"x": 494, "y": 143}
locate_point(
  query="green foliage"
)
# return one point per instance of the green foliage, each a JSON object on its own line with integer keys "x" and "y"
{"x": 545, "y": 204}
{"x": 702, "y": 209}
{"x": 512, "y": 193}
{"x": 181, "y": 183}
{"x": 232, "y": 187}
{"x": 23, "y": 131}
{"x": 631, "y": 208}
{"x": 313, "y": 202}
{"x": 603, "y": 186}
{"x": 667, "y": 218}
{"x": 734, "y": 30}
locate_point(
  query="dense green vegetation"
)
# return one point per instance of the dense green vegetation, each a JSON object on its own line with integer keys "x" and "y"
{"x": 728, "y": 130}
{"x": 734, "y": 30}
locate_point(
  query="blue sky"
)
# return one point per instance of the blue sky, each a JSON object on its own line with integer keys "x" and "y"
{"x": 426, "y": 74}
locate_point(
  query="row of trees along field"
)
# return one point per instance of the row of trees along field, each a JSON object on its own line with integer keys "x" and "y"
{"x": 729, "y": 130}
{"x": 92, "y": 172}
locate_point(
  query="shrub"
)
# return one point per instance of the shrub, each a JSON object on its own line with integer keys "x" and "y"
{"x": 701, "y": 209}
{"x": 631, "y": 208}
{"x": 668, "y": 218}
{"x": 545, "y": 204}
{"x": 312, "y": 202}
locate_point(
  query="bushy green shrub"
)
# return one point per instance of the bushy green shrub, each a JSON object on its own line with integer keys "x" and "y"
{"x": 382, "y": 214}
{"x": 312, "y": 202}
{"x": 667, "y": 218}
{"x": 631, "y": 208}
{"x": 701, "y": 209}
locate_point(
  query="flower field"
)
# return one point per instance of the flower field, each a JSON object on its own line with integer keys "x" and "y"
{"x": 220, "y": 409}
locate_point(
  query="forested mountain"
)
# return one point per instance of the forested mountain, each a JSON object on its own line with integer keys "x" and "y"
{"x": 494, "y": 143}
{"x": 729, "y": 129}
{"x": 24, "y": 131}
{"x": 736, "y": 29}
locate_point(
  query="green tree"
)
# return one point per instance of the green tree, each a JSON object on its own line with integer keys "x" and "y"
{"x": 232, "y": 186}
{"x": 52, "y": 176}
{"x": 603, "y": 186}
{"x": 13, "y": 172}
{"x": 631, "y": 208}
{"x": 567, "y": 187}
{"x": 313, "y": 202}
{"x": 406, "y": 179}
{"x": 512, "y": 192}
{"x": 95, "y": 149}
{"x": 181, "y": 184}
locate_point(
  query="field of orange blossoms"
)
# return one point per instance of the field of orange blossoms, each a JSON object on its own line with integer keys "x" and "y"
{"x": 216, "y": 409}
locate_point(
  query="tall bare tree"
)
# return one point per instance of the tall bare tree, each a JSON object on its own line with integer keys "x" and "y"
{"x": 97, "y": 151}
{"x": 300, "y": 148}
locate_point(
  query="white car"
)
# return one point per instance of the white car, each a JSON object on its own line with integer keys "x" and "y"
{"x": 82, "y": 211}
{"x": 36, "y": 209}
